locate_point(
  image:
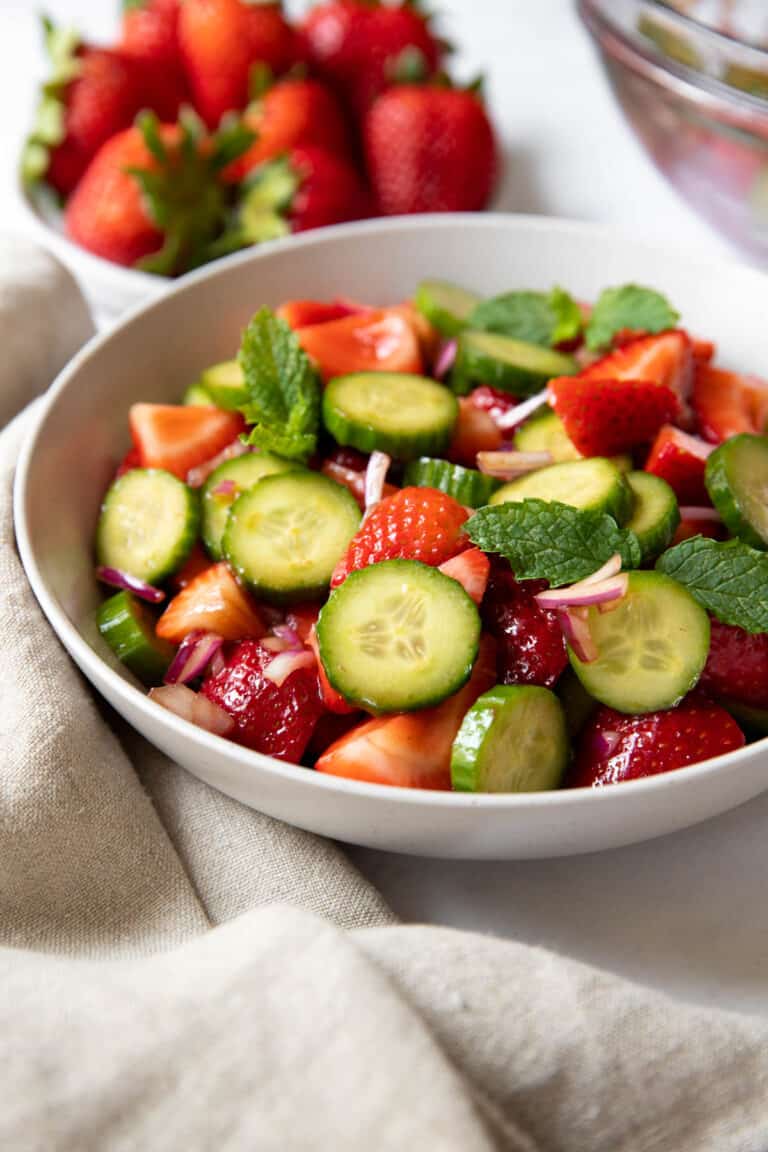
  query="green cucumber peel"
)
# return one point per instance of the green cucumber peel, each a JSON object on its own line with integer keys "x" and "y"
{"x": 728, "y": 578}
{"x": 547, "y": 540}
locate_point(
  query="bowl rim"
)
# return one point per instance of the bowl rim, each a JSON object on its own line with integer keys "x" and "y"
{"x": 97, "y": 670}
{"x": 687, "y": 82}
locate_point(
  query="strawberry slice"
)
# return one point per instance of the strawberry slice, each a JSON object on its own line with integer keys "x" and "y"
{"x": 332, "y": 699}
{"x": 615, "y": 747}
{"x": 412, "y": 750}
{"x": 475, "y": 431}
{"x": 471, "y": 569}
{"x": 414, "y": 524}
{"x": 277, "y": 721}
{"x": 680, "y": 459}
{"x": 179, "y": 437}
{"x": 380, "y": 341}
{"x": 665, "y": 359}
{"x": 530, "y": 644}
{"x": 726, "y": 403}
{"x": 212, "y": 602}
{"x": 688, "y": 528}
{"x": 198, "y": 561}
{"x": 132, "y": 459}
{"x": 306, "y": 313}
{"x": 607, "y": 417}
{"x": 737, "y": 665}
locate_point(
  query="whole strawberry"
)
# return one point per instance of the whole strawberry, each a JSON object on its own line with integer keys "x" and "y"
{"x": 220, "y": 43}
{"x": 737, "y": 665}
{"x": 615, "y": 747}
{"x": 429, "y": 149}
{"x": 292, "y": 113}
{"x": 277, "y": 721}
{"x": 413, "y": 524}
{"x": 363, "y": 47}
{"x": 530, "y": 648}
{"x": 150, "y": 36}
{"x": 152, "y": 195}
{"x": 91, "y": 94}
{"x": 308, "y": 188}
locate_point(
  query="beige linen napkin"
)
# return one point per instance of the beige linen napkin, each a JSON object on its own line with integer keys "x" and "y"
{"x": 178, "y": 972}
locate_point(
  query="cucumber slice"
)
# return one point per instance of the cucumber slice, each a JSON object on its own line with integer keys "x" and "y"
{"x": 545, "y": 432}
{"x": 737, "y": 481}
{"x": 148, "y": 524}
{"x": 398, "y": 636}
{"x": 197, "y": 397}
{"x": 128, "y": 626}
{"x": 226, "y": 384}
{"x": 577, "y": 703}
{"x": 651, "y": 648}
{"x": 467, "y": 485}
{"x": 395, "y": 412}
{"x": 512, "y": 365}
{"x": 285, "y": 536}
{"x": 595, "y": 484}
{"x": 655, "y": 514}
{"x": 513, "y": 739}
{"x": 243, "y": 473}
{"x": 446, "y": 306}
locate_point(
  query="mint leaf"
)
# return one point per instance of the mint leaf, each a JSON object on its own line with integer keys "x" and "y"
{"x": 546, "y": 540}
{"x": 729, "y": 579}
{"x": 283, "y": 389}
{"x": 535, "y": 317}
{"x": 630, "y": 306}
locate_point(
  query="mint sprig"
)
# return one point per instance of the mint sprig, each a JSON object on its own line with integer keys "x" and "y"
{"x": 546, "y": 540}
{"x": 534, "y": 317}
{"x": 729, "y": 579}
{"x": 628, "y": 306}
{"x": 283, "y": 389}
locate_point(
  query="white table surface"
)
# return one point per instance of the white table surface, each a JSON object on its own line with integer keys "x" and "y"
{"x": 686, "y": 913}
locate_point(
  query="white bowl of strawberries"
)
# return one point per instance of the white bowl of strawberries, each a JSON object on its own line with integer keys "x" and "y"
{"x": 214, "y": 125}
{"x": 407, "y": 680}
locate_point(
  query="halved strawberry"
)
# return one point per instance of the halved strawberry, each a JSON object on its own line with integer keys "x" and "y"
{"x": 688, "y": 528}
{"x": 737, "y": 665}
{"x": 475, "y": 431}
{"x": 412, "y": 750}
{"x": 726, "y": 403}
{"x": 332, "y": 699}
{"x": 379, "y": 341}
{"x": 198, "y": 561}
{"x": 180, "y": 437}
{"x": 664, "y": 359}
{"x": 605, "y": 417}
{"x": 132, "y": 459}
{"x": 703, "y": 350}
{"x": 212, "y": 602}
{"x": 307, "y": 313}
{"x": 680, "y": 459}
{"x": 471, "y": 569}
{"x": 530, "y": 644}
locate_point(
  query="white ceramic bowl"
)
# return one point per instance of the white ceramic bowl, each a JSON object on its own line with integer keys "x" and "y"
{"x": 157, "y": 351}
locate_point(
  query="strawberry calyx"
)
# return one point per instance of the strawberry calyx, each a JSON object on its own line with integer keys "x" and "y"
{"x": 182, "y": 194}
{"x": 63, "y": 46}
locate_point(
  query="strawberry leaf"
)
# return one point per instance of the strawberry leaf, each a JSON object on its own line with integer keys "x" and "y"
{"x": 283, "y": 389}
{"x": 629, "y": 306}
{"x": 534, "y": 317}
{"x": 546, "y": 540}
{"x": 728, "y": 578}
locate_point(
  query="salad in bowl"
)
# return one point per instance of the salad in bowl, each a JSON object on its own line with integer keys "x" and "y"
{"x": 489, "y": 545}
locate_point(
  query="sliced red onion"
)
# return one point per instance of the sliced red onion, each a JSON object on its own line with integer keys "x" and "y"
{"x": 275, "y": 644}
{"x": 218, "y": 663}
{"x": 224, "y": 488}
{"x": 611, "y": 567}
{"x": 708, "y": 515}
{"x": 286, "y": 663}
{"x": 375, "y": 475}
{"x": 197, "y": 476}
{"x": 193, "y": 657}
{"x": 116, "y": 578}
{"x": 582, "y": 595}
{"x": 445, "y": 359}
{"x": 289, "y": 635}
{"x": 576, "y": 630}
{"x": 194, "y": 707}
{"x": 509, "y": 465}
{"x": 514, "y": 416}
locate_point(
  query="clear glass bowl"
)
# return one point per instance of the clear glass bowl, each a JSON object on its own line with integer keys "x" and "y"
{"x": 692, "y": 79}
